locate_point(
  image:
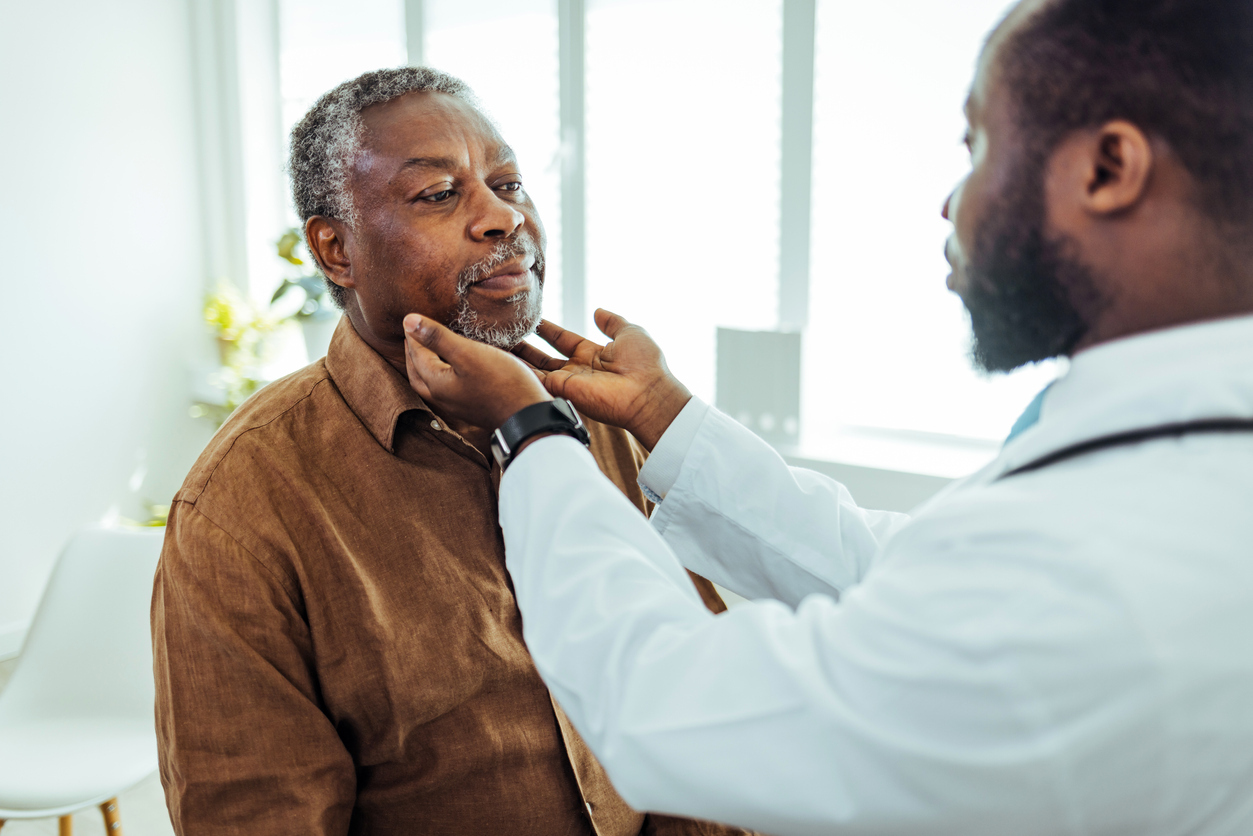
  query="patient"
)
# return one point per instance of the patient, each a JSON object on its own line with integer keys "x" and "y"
{"x": 337, "y": 647}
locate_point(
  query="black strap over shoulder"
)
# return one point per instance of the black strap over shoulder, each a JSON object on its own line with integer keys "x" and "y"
{"x": 1209, "y": 425}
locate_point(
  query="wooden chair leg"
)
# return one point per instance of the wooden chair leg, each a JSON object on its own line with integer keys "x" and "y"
{"x": 65, "y": 826}
{"x": 112, "y": 821}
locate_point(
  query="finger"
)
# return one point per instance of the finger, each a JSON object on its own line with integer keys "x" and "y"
{"x": 560, "y": 383}
{"x": 555, "y": 383}
{"x": 427, "y": 333}
{"x": 609, "y": 323}
{"x": 536, "y": 358}
{"x": 567, "y": 342}
{"x": 539, "y": 373}
{"x": 426, "y": 364}
{"x": 416, "y": 380}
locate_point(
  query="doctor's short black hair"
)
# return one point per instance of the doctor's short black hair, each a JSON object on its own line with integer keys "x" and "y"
{"x": 1180, "y": 70}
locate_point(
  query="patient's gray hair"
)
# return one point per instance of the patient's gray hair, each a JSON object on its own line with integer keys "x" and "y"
{"x": 327, "y": 140}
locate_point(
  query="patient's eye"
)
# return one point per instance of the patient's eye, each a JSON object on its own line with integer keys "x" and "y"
{"x": 511, "y": 187}
{"x": 437, "y": 197}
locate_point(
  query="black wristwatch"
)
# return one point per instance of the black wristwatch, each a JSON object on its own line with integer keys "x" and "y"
{"x": 555, "y": 416}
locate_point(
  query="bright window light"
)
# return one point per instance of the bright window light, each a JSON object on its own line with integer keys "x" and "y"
{"x": 683, "y": 108}
{"x": 325, "y": 42}
{"x": 887, "y": 344}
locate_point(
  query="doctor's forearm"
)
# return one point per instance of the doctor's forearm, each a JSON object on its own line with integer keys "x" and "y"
{"x": 735, "y": 513}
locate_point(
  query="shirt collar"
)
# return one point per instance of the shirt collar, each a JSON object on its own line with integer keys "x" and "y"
{"x": 373, "y": 389}
{"x": 1175, "y": 375}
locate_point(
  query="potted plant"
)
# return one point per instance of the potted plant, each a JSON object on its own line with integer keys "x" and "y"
{"x": 317, "y": 315}
{"x": 241, "y": 331}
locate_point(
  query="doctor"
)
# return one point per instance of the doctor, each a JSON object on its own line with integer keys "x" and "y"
{"x": 1060, "y": 644}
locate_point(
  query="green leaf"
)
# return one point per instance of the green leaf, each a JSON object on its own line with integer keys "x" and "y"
{"x": 287, "y": 244}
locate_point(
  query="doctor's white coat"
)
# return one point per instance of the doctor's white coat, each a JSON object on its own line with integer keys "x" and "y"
{"x": 1065, "y": 651}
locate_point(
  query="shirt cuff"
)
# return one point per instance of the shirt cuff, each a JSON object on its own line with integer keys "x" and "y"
{"x": 661, "y": 471}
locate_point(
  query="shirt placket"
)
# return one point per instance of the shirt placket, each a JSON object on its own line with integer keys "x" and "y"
{"x": 575, "y": 754}
{"x": 563, "y": 724}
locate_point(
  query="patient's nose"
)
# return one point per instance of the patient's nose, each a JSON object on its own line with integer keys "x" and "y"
{"x": 495, "y": 218}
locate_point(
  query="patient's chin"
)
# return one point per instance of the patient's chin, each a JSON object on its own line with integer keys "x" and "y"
{"x": 502, "y": 330}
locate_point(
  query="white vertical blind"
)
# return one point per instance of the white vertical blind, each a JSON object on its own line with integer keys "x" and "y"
{"x": 888, "y": 344}
{"x": 683, "y": 105}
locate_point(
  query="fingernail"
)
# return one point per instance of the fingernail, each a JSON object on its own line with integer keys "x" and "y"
{"x": 413, "y": 322}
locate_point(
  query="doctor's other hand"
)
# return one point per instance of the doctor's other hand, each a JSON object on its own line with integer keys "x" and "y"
{"x": 625, "y": 383}
{"x": 466, "y": 380}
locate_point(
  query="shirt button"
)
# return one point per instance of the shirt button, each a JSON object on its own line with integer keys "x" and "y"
{"x": 435, "y": 425}
{"x": 588, "y": 805}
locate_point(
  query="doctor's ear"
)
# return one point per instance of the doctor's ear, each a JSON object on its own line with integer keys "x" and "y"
{"x": 1107, "y": 170}
{"x": 326, "y": 237}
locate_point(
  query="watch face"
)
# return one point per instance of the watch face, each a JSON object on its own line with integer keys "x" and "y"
{"x": 566, "y": 408}
{"x": 498, "y": 448}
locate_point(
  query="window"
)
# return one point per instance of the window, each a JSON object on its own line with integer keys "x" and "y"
{"x": 323, "y": 44}
{"x": 681, "y": 135}
{"x": 683, "y": 103}
{"x": 887, "y": 343}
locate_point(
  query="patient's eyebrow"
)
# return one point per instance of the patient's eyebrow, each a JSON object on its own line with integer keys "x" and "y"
{"x": 430, "y": 162}
{"x": 503, "y": 156}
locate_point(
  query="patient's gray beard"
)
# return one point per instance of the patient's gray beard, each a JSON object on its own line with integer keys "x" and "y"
{"x": 526, "y": 305}
{"x": 467, "y": 323}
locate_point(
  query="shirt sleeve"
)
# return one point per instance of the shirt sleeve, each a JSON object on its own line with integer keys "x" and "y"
{"x": 885, "y": 713}
{"x": 244, "y": 744}
{"x": 661, "y": 471}
{"x": 737, "y": 514}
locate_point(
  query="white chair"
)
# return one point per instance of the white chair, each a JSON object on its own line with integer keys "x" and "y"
{"x": 76, "y": 720}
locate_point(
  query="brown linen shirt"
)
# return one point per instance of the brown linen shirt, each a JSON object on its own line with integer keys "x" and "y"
{"x": 336, "y": 644}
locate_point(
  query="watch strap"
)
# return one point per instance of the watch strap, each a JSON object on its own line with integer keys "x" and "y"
{"x": 555, "y": 416}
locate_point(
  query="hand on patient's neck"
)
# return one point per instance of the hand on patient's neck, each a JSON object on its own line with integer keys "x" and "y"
{"x": 394, "y": 353}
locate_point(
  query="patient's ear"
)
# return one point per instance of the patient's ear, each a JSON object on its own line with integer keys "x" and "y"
{"x": 326, "y": 237}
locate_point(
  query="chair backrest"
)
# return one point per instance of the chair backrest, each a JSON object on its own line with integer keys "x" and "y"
{"x": 89, "y": 649}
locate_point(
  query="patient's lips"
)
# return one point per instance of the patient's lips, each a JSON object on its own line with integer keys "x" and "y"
{"x": 508, "y": 279}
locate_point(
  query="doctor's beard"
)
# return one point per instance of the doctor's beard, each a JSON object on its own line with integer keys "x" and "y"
{"x": 1028, "y": 297}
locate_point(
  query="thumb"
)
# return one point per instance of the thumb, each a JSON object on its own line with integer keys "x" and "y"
{"x": 433, "y": 336}
{"x": 609, "y": 322}
{"x": 418, "y": 368}
{"x": 557, "y": 383}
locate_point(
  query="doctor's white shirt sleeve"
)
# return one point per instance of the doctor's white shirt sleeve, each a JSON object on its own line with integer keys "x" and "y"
{"x": 734, "y": 512}
{"x": 883, "y": 713}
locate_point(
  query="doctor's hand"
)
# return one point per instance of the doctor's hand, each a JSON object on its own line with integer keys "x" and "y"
{"x": 466, "y": 380}
{"x": 625, "y": 383}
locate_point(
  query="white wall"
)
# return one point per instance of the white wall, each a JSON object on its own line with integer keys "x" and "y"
{"x": 103, "y": 274}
